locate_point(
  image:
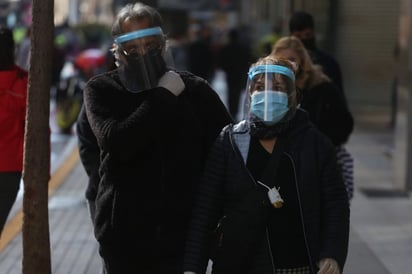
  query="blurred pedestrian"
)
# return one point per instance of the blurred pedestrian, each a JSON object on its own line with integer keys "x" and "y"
{"x": 301, "y": 25}
{"x": 13, "y": 94}
{"x": 321, "y": 98}
{"x": 178, "y": 47}
{"x": 265, "y": 44}
{"x": 23, "y": 51}
{"x": 271, "y": 192}
{"x": 154, "y": 127}
{"x": 234, "y": 59}
{"x": 200, "y": 53}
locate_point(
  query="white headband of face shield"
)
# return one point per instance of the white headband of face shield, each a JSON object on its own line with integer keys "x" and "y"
{"x": 262, "y": 69}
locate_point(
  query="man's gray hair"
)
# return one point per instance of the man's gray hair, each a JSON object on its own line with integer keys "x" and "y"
{"x": 136, "y": 11}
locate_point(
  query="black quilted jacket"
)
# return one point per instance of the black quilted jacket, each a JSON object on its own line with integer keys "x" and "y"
{"x": 323, "y": 200}
{"x": 328, "y": 111}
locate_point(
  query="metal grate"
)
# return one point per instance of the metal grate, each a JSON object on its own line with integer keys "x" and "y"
{"x": 384, "y": 193}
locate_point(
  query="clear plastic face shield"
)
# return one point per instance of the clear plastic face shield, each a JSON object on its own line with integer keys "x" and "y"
{"x": 271, "y": 94}
{"x": 142, "y": 58}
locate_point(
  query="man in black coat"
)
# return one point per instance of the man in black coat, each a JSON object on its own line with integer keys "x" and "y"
{"x": 154, "y": 127}
{"x": 301, "y": 25}
{"x": 234, "y": 59}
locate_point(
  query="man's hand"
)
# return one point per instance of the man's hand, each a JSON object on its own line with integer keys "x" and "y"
{"x": 172, "y": 82}
{"x": 328, "y": 266}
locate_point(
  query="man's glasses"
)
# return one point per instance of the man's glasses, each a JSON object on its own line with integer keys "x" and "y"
{"x": 129, "y": 49}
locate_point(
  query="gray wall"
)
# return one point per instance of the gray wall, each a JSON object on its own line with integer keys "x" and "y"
{"x": 367, "y": 33}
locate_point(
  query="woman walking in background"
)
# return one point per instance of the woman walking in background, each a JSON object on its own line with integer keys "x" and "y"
{"x": 321, "y": 98}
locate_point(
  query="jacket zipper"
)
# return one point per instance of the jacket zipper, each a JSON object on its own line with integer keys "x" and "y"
{"x": 236, "y": 150}
{"x": 270, "y": 252}
{"x": 301, "y": 213}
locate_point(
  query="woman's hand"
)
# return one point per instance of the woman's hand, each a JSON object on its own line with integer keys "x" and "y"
{"x": 328, "y": 266}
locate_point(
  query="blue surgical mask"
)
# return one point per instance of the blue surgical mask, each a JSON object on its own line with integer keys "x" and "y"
{"x": 269, "y": 106}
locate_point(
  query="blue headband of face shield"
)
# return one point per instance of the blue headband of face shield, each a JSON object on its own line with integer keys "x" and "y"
{"x": 138, "y": 34}
{"x": 262, "y": 69}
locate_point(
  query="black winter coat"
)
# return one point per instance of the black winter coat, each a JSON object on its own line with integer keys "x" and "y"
{"x": 328, "y": 110}
{"x": 153, "y": 146}
{"x": 226, "y": 181}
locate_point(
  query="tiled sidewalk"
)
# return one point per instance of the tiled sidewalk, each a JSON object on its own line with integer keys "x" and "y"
{"x": 73, "y": 246}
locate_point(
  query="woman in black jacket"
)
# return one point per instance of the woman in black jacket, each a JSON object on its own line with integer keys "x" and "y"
{"x": 323, "y": 100}
{"x": 271, "y": 196}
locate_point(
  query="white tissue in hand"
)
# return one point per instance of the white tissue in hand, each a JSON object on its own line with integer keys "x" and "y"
{"x": 172, "y": 82}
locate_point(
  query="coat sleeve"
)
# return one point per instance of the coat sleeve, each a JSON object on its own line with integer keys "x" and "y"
{"x": 125, "y": 123}
{"x": 89, "y": 153}
{"x": 334, "y": 230}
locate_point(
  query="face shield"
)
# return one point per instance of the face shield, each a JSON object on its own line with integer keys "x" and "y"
{"x": 142, "y": 58}
{"x": 271, "y": 94}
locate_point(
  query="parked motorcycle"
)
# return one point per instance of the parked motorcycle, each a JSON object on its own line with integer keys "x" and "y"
{"x": 73, "y": 78}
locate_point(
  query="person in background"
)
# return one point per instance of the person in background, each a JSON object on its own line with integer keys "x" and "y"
{"x": 234, "y": 59}
{"x": 23, "y": 51}
{"x": 302, "y": 26}
{"x": 321, "y": 98}
{"x": 201, "y": 57}
{"x": 265, "y": 44}
{"x": 13, "y": 95}
{"x": 178, "y": 47}
{"x": 154, "y": 127}
{"x": 271, "y": 192}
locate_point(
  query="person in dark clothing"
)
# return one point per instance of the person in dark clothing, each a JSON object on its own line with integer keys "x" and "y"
{"x": 271, "y": 192}
{"x": 200, "y": 54}
{"x": 321, "y": 98}
{"x": 301, "y": 25}
{"x": 234, "y": 59}
{"x": 154, "y": 127}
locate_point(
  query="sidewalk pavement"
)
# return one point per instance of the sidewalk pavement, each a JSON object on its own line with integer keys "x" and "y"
{"x": 381, "y": 219}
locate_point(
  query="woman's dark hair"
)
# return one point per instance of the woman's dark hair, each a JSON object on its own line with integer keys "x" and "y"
{"x": 6, "y": 48}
